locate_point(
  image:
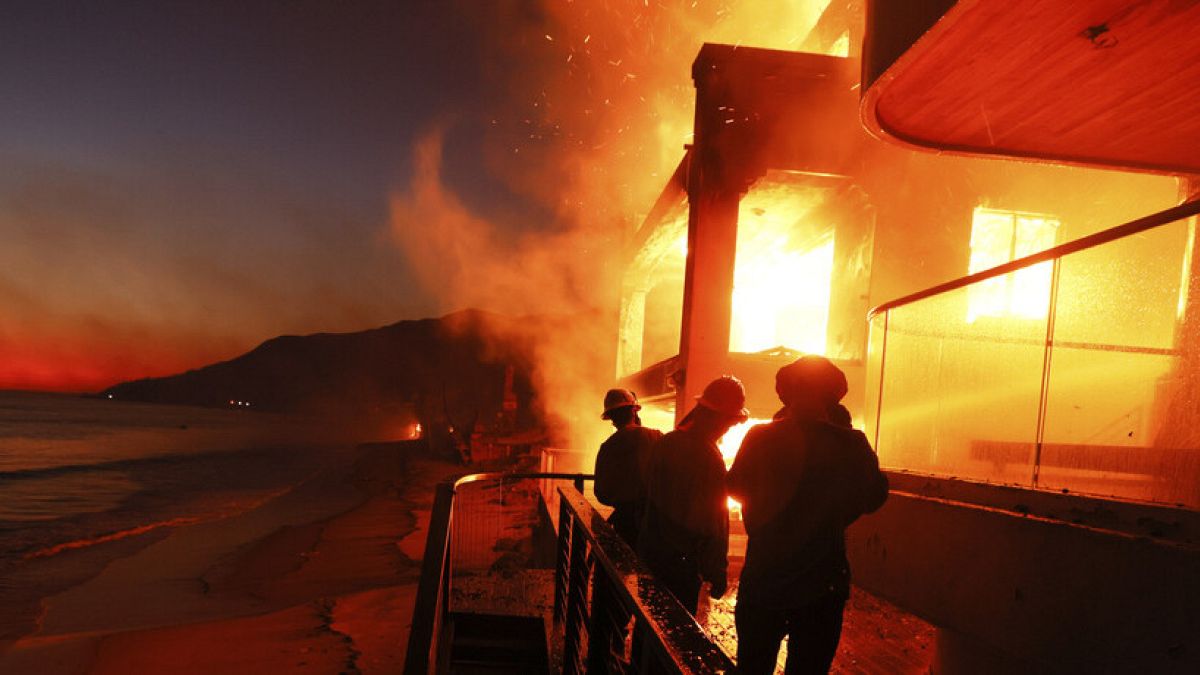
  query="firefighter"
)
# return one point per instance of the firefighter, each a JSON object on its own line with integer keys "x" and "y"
{"x": 802, "y": 479}
{"x": 621, "y": 463}
{"x": 685, "y": 534}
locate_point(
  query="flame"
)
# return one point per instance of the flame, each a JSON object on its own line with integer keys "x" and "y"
{"x": 731, "y": 442}
{"x": 597, "y": 101}
{"x": 587, "y": 112}
{"x": 781, "y": 284}
{"x": 729, "y": 445}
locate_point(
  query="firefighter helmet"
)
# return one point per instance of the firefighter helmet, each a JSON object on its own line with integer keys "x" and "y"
{"x": 813, "y": 375}
{"x": 727, "y": 396}
{"x": 619, "y": 398}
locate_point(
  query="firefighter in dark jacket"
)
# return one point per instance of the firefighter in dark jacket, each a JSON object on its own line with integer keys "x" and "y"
{"x": 801, "y": 480}
{"x": 622, "y": 462}
{"x": 685, "y": 535}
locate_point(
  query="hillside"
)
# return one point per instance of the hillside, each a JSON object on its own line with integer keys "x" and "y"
{"x": 451, "y": 367}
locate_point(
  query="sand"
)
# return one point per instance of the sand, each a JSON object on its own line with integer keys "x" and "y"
{"x": 320, "y": 580}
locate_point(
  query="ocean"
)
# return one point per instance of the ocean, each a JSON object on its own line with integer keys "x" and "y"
{"x": 85, "y": 480}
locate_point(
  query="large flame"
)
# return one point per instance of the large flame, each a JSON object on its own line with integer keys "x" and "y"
{"x": 586, "y": 112}
{"x": 781, "y": 284}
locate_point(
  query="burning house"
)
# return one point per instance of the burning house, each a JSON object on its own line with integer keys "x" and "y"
{"x": 787, "y": 222}
{"x": 985, "y": 222}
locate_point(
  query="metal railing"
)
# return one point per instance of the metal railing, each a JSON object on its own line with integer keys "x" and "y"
{"x": 1065, "y": 383}
{"x": 612, "y": 615}
{"x": 428, "y": 648}
{"x": 609, "y": 614}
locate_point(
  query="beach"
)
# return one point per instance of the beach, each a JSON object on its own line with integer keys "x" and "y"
{"x": 316, "y": 576}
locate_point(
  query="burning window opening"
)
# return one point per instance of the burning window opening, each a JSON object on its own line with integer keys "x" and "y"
{"x": 998, "y": 237}
{"x": 782, "y": 278}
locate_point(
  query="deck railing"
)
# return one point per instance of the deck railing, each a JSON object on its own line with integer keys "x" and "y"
{"x": 1073, "y": 369}
{"x": 609, "y": 615}
{"x": 613, "y": 616}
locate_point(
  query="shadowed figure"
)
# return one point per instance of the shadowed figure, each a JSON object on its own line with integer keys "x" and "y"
{"x": 685, "y": 534}
{"x": 622, "y": 462}
{"x": 801, "y": 479}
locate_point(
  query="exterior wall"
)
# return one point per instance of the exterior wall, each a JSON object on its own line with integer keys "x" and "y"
{"x": 1051, "y": 596}
{"x": 924, "y": 204}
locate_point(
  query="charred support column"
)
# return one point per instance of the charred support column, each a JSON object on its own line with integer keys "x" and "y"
{"x": 724, "y": 162}
{"x": 707, "y": 288}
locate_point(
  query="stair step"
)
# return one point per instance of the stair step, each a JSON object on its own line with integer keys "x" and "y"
{"x": 489, "y": 643}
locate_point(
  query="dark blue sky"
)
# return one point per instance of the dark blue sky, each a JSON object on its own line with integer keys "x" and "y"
{"x": 321, "y": 96}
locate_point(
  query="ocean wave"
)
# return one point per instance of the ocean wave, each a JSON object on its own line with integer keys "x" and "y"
{"x": 129, "y": 464}
{"x": 229, "y": 509}
{"x": 111, "y": 536}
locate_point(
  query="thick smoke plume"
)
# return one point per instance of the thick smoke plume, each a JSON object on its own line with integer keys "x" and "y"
{"x": 587, "y": 113}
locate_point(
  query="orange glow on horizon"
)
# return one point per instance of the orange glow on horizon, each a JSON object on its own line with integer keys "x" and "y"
{"x": 85, "y": 364}
{"x": 74, "y": 376}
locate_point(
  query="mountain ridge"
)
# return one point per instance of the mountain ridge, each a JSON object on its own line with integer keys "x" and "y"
{"x": 453, "y": 367}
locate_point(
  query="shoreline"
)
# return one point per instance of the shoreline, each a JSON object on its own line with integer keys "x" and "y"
{"x": 278, "y": 588}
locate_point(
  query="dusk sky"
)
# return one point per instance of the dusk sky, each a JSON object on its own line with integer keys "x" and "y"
{"x": 180, "y": 181}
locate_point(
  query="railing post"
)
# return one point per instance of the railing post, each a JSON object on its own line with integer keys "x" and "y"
{"x": 1044, "y": 394}
{"x": 425, "y": 644}
{"x": 562, "y": 562}
{"x": 579, "y": 576}
{"x": 599, "y": 637}
{"x": 887, "y": 315}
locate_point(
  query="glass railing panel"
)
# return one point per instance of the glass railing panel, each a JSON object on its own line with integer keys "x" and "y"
{"x": 876, "y": 357}
{"x": 962, "y": 381}
{"x": 1117, "y": 377}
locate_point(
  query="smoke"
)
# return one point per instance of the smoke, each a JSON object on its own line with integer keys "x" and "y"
{"x": 586, "y": 112}
{"x": 554, "y": 279}
{"x": 471, "y": 261}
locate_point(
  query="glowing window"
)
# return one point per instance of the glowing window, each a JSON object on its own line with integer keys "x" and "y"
{"x": 998, "y": 237}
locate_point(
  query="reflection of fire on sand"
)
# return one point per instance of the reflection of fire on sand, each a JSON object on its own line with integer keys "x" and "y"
{"x": 321, "y": 580}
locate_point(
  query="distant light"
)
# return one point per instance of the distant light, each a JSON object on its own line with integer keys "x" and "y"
{"x": 232, "y": 402}
{"x": 110, "y": 395}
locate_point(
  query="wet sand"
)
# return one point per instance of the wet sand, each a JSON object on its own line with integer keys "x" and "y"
{"x": 319, "y": 580}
